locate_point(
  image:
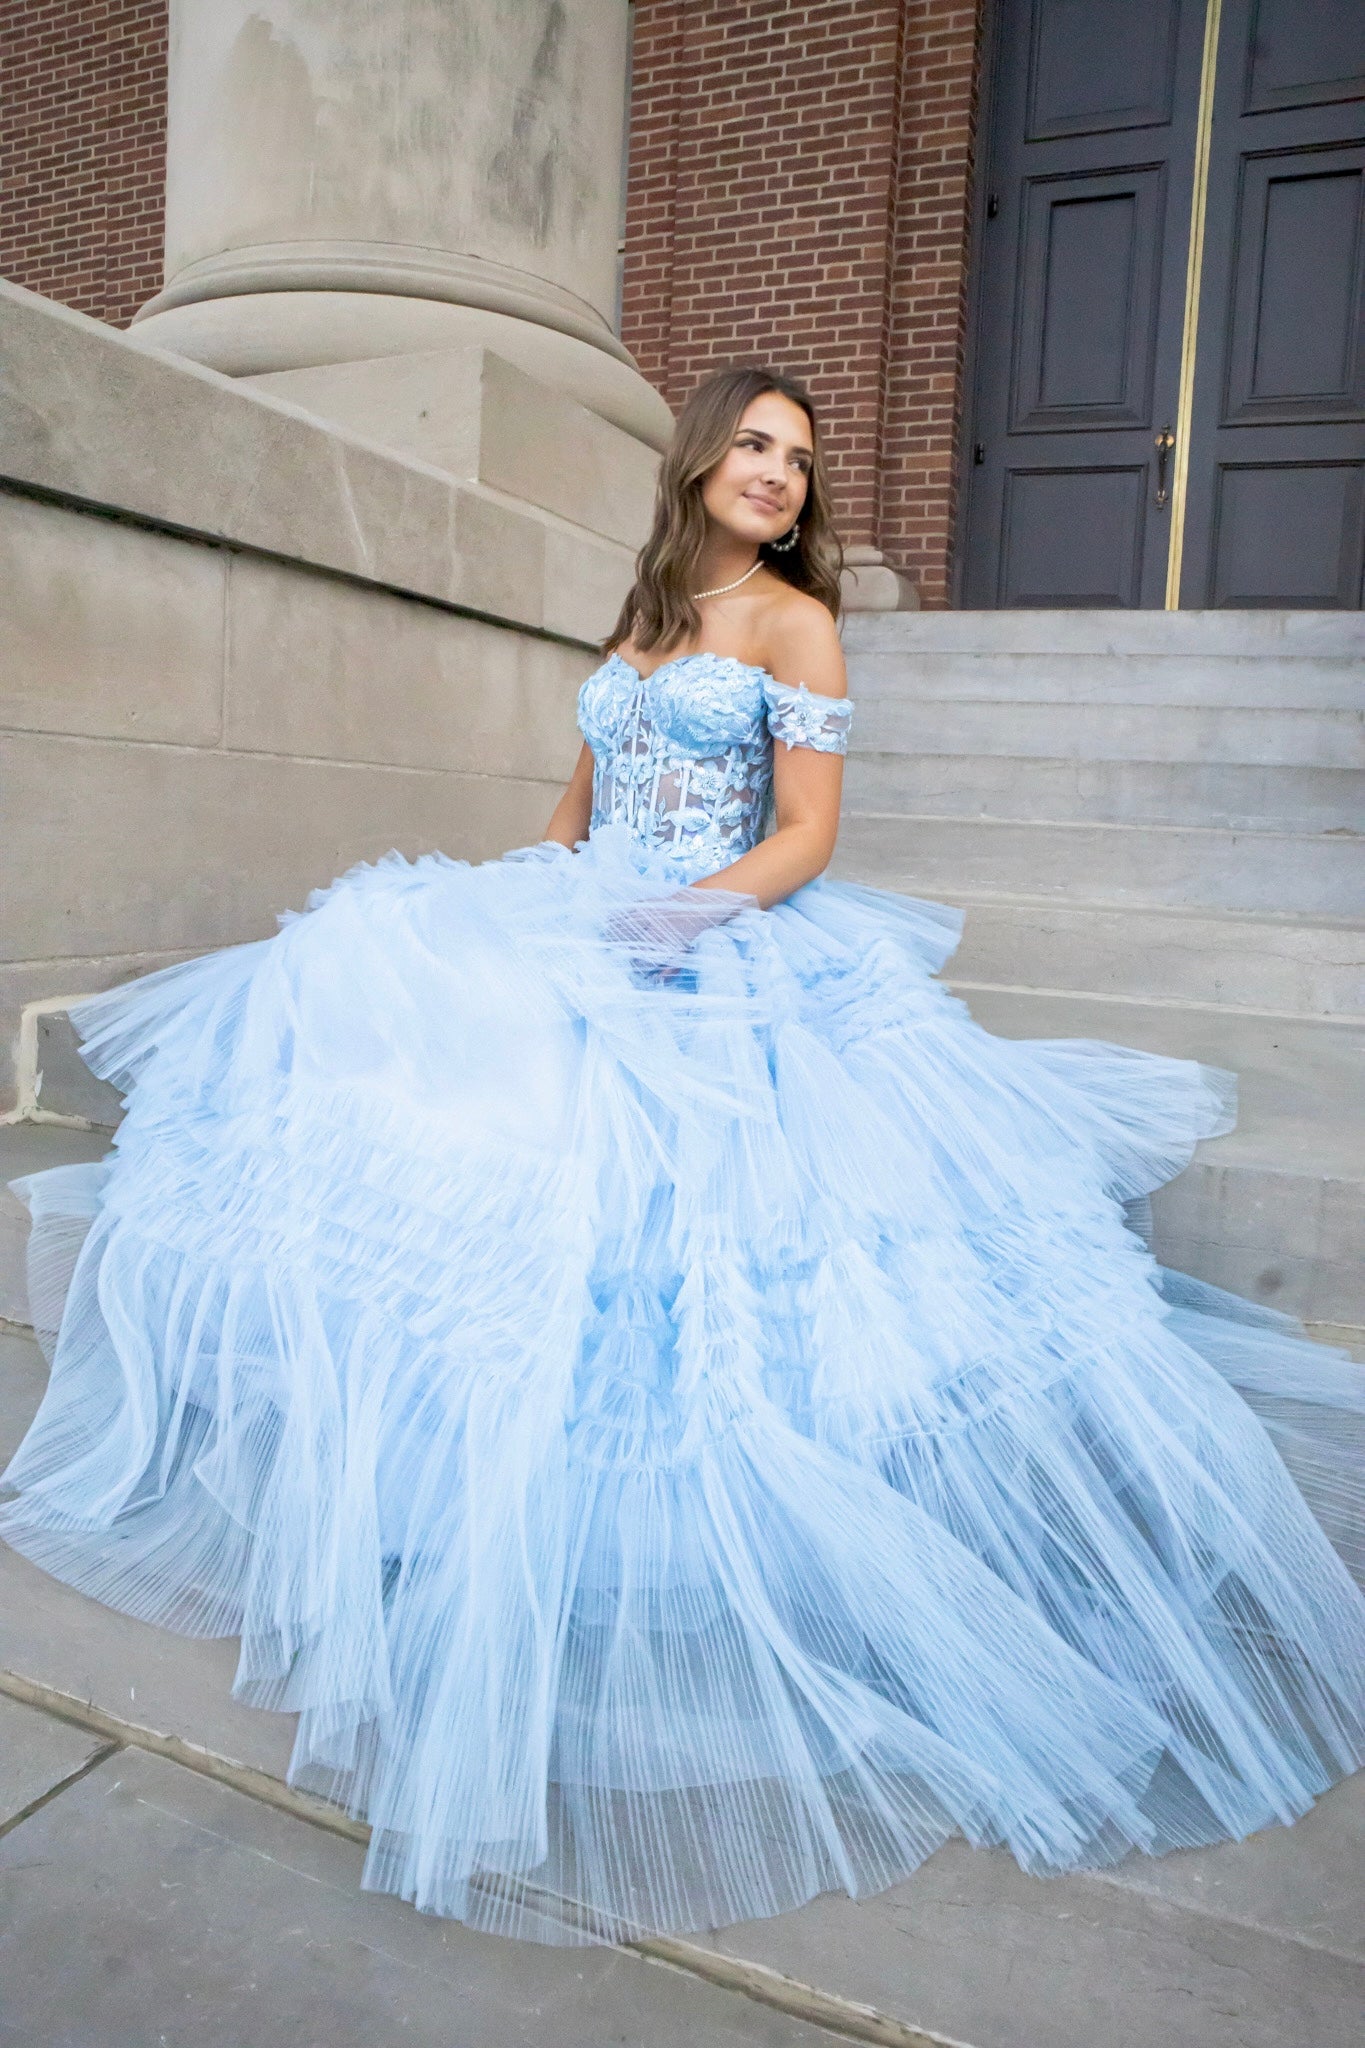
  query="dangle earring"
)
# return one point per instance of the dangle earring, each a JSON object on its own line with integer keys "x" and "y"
{"x": 785, "y": 545}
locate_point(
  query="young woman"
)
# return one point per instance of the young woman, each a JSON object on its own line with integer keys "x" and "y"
{"x": 671, "y": 1403}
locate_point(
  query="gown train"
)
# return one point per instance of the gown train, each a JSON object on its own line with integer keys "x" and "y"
{"x": 684, "y": 1419}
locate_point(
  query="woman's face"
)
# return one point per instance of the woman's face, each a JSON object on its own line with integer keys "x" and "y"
{"x": 757, "y": 489}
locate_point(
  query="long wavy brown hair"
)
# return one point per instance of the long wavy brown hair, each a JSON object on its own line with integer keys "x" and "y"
{"x": 658, "y": 611}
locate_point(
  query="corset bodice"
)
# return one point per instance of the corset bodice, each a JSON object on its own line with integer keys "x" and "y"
{"x": 684, "y": 756}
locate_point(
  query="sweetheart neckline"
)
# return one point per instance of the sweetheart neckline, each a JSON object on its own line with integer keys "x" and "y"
{"x": 698, "y": 654}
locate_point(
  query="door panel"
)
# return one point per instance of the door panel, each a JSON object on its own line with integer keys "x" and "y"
{"x": 1292, "y": 529}
{"x": 1098, "y": 65}
{"x": 1277, "y": 433}
{"x": 1295, "y": 349}
{"x": 1301, "y": 53}
{"x": 1090, "y": 265}
{"x": 1073, "y": 536}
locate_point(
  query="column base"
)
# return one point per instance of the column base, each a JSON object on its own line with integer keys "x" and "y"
{"x": 870, "y": 584}
{"x": 252, "y": 334}
{"x": 478, "y": 417}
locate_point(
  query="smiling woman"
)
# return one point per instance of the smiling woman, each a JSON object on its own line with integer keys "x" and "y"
{"x": 743, "y": 482}
{"x": 671, "y": 1402}
{"x": 742, "y": 566}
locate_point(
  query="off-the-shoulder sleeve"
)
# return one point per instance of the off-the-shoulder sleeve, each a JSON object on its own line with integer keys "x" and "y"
{"x": 801, "y": 718}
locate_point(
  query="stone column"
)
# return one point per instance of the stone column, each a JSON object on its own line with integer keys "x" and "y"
{"x": 871, "y": 584}
{"x": 358, "y": 179}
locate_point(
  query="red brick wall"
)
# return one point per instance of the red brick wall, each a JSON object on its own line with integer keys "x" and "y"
{"x": 798, "y": 191}
{"x": 83, "y": 150}
{"x": 927, "y": 307}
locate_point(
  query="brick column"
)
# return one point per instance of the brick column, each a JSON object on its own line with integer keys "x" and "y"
{"x": 798, "y": 193}
{"x": 927, "y": 311}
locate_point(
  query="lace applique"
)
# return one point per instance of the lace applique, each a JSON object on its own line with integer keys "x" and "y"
{"x": 683, "y": 757}
{"x": 800, "y": 718}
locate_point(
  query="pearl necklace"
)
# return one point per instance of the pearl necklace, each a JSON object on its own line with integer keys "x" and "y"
{"x": 721, "y": 588}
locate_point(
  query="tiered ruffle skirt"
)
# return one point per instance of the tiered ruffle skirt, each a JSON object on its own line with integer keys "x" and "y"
{"x": 684, "y": 1419}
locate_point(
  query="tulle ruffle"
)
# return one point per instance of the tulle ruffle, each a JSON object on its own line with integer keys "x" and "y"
{"x": 676, "y": 1408}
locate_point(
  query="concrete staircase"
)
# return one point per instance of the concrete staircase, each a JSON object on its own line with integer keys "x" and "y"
{"x": 1156, "y": 825}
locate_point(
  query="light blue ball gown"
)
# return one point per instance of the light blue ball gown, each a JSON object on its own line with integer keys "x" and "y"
{"x": 672, "y": 1404}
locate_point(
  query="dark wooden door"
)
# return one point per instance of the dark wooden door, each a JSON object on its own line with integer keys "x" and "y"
{"x": 1075, "y": 433}
{"x": 1081, "y": 260}
{"x": 1276, "y": 506}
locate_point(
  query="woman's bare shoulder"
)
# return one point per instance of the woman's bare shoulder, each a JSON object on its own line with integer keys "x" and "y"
{"x": 801, "y": 643}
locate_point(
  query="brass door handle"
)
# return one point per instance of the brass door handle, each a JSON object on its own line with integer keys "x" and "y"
{"x": 1165, "y": 441}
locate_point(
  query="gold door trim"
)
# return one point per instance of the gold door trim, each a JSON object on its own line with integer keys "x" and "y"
{"x": 1190, "y": 334}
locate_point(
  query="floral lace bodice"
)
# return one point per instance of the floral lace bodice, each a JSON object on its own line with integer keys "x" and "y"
{"x": 684, "y": 755}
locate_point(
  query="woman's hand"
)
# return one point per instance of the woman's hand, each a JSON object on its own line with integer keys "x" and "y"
{"x": 658, "y": 934}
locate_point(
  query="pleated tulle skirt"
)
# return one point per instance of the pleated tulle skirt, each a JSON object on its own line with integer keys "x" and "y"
{"x": 681, "y": 1416}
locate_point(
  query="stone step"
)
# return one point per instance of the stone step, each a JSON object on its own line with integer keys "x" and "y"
{"x": 1270, "y": 682}
{"x": 1119, "y": 864}
{"x": 904, "y": 722}
{"x": 1295, "y": 966}
{"x": 60, "y": 1083}
{"x": 1068, "y": 789}
{"x": 1263, "y": 635}
{"x": 29, "y": 1148}
{"x": 1275, "y": 1210}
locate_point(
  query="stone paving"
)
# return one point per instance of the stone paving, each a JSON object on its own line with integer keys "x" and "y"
{"x": 142, "y": 1904}
{"x": 145, "y": 1904}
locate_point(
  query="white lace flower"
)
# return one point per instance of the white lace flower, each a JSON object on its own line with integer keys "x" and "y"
{"x": 799, "y": 718}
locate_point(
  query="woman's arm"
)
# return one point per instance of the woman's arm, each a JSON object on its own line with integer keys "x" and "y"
{"x": 807, "y": 787}
{"x": 802, "y": 647}
{"x": 573, "y": 812}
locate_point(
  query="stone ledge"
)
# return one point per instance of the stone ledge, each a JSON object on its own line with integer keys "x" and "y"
{"x": 87, "y": 417}
{"x": 478, "y": 417}
{"x": 230, "y": 839}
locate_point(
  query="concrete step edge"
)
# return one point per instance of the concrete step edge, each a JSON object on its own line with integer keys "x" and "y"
{"x": 964, "y": 987}
{"x": 1282, "y": 635}
{"x": 919, "y": 692}
{"x": 1259, "y": 1158}
{"x": 1091, "y": 800}
{"x": 933, "y": 645}
{"x": 1117, "y": 828}
{"x": 929, "y": 739}
{"x": 1242, "y": 920}
{"x": 1290, "y": 783}
{"x": 833, "y": 2014}
{"x": 1087, "y": 758}
{"x": 1146, "y": 812}
{"x": 1142, "y": 680}
{"x": 1210, "y": 867}
{"x": 1344, "y": 1336}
